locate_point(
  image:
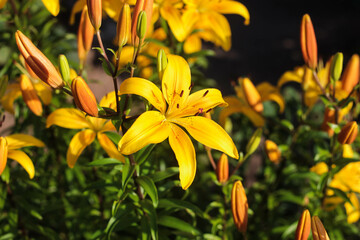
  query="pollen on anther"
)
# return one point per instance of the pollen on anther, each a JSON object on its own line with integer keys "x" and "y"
{"x": 177, "y": 105}
{"x": 207, "y": 91}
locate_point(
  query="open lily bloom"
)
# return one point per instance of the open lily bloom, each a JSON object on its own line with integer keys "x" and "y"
{"x": 176, "y": 108}
{"x": 53, "y": 6}
{"x": 9, "y": 149}
{"x": 239, "y": 104}
{"x": 91, "y": 127}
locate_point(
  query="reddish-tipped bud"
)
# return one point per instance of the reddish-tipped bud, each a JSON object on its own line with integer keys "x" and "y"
{"x": 85, "y": 35}
{"x": 123, "y": 28}
{"x": 29, "y": 95}
{"x": 351, "y": 74}
{"x": 222, "y": 168}
{"x": 272, "y": 151}
{"x": 308, "y": 42}
{"x": 303, "y": 227}
{"x": 3, "y": 153}
{"x": 348, "y": 133}
{"x": 252, "y": 95}
{"x": 239, "y": 206}
{"x": 318, "y": 230}
{"x": 83, "y": 96}
{"x": 95, "y": 12}
{"x": 38, "y": 62}
{"x": 329, "y": 117}
{"x": 141, "y": 5}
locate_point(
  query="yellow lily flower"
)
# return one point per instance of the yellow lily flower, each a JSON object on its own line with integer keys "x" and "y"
{"x": 111, "y": 7}
{"x": 9, "y": 149}
{"x": 239, "y": 104}
{"x": 53, "y": 6}
{"x": 92, "y": 127}
{"x": 176, "y": 108}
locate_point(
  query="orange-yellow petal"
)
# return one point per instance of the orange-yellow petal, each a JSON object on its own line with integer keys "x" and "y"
{"x": 19, "y": 140}
{"x": 3, "y": 153}
{"x": 77, "y": 144}
{"x": 67, "y": 118}
{"x": 53, "y": 6}
{"x": 109, "y": 147}
{"x": 23, "y": 160}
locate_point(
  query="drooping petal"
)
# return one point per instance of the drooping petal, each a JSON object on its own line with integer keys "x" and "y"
{"x": 200, "y": 102}
{"x": 270, "y": 93}
{"x": 231, "y": 7}
{"x": 220, "y": 26}
{"x": 18, "y": 140}
{"x": 291, "y": 76}
{"x": 3, "y": 153}
{"x": 78, "y": 6}
{"x": 176, "y": 82}
{"x": 12, "y": 93}
{"x": 208, "y": 133}
{"x": 23, "y": 160}
{"x": 44, "y": 92}
{"x": 30, "y": 97}
{"x": 77, "y": 144}
{"x": 112, "y": 8}
{"x": 67, "y": 118}
{"x": 150, "y": 127}
{"x": 235, "y": 106}
{"x": 145, "y": 89}
{"x": 185, "y": 155}
{"x": 352, "y": 209}
{"x": 173, "y": 17}
{"x": 53, "y": 6}
{"x": 109, "y": 147}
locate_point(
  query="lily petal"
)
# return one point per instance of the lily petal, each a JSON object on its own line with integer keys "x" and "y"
{"x": 149, "y": 127}
{"x": 220, "y": 26}
{"x": 44, "y": 92}
{"x": 192, "y": 44}
{"x": 173, "y": 17}
{"x": 145, "y": 89}
{"x": 53, "y": 6}
{"x": 109, "y": 147}
{"x": 3, "y": 153}
{"x": 2, "y": 3}
{"x": 235, "y": 106}
{"x": 231, "y": 7}
{"x": 176, "y": 82}
{"x": 208, "y": 133}
{"x": 291, "y": 76}
{"x": 269, "y": 93}
{"x": 16, "y": 141}
{"x": 185, "y": 155}
{"x": 78, "y": 6}
{"x": 352, "y": 209}
{"x": 12, "y": 93}
{"x": 23, "y": 160}
{"x": 67, "y": 118}
{"x": 77, "y": 144}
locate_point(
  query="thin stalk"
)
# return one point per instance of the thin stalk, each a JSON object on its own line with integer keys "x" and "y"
{"x": 211, "y": 159}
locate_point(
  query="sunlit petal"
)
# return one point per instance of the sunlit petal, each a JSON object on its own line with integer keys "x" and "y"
{"x": 77, "y": 144}
{"x": 53, "y": 6}
{"x": 173, "y": 17}
{"x": 12, "y": 93}
{"x": 150, "y": 127}
{"x": 270, "y": 93}
{"x": 291, "y": 76}
{"x": 176, "y": 82}
{"x": 78, "y": 6}
{"x": 109, "y": 147}
{"x": 185, "y": 155}
{"x": 145, "y": 89}
{"x": 192, "y": 44}
{"x": 109, "y": 100}
{"x": 231, "y": 7}
{"x": 220, "y": 26}
{"x": 23, "y": 160}
{"x": 44, "y": 92}
{"x": 352, "y": 209}
{"x": 3, "y": 153}
{"x": 208, "y": 133}
{"x": 19, "y": 140}
{"x": 67, "y": 118}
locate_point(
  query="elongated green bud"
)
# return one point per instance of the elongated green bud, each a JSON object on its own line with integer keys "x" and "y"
{"x": 336, "y": 66}
{"x": 141, "y": 25}
{"x": 254, "y": 142}
{"x": 64, "y": 68}
{"x": 3, "y": 84}
{"x": 161, "y": 62}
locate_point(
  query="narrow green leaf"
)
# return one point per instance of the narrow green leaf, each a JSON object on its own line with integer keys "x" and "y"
{"x": 114, "y": 137}
{"x": 161, "y": 175}
{"x": 151, "y": 217}
{"x": 142, "y": 155}
{"x": 323, "y": 180}
{"x": 341, "y": 194}
{"x": 104, "y": 162}
{"x": 128, "y": 171}
{"x": 149, "y": 186}
{"x": 180, "y": 204}
{"x": 175, "y": 223}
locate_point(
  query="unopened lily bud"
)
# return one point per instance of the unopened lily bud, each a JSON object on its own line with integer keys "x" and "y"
{"x": 239, "y": 206}
{"x": 3, "y": 153}
{"x": 95, "y": 12}
{"x": 252, "y": 95}
{"x": 161, "y": 62}
{"x": 85, "y": 35}
{"x": 308, "y": 42}
{"x": 222, "y": 169}
{"x": 3, "y": 85}
{"x": 38, "y": 62}
{"x": 336, "y": 66}
{"x": 303, "y": 227}
{"x": 29, "y": 95}
{"x": 272, "y": 151}
{"x": 318, "y": 230}
{"x": 124, "y": 25}
{"x": 83, "y": 96}
{"x": 64, "y": 68}
{"x": 254, "y": 142}
{"x": 141, "y": 5}
{"x": 329, "y": 117}
{"x": 350, "y": 78}
{"x": 348, "y": 133}
{"x": 141, "y": 25}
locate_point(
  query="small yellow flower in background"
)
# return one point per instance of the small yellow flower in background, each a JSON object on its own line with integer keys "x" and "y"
{"x": 92, "y": 127}
{"x": 318, "y": 230}
{"x": 53, "y": 6}
{"x": 222, "y": 169}
{"x": 239, "y": 206}
{"x": 303, "y": 227}
{"x": 239, "y": 104}
{"x": 9, "y": 149}
{"x": 177, "y": 107}
{"x": 272, "y": 151}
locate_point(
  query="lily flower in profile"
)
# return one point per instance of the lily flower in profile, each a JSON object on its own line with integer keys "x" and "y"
{"x": 176, "y": 108}
{"x": 91, "y": 127}
{"x": 9, "y": 149}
